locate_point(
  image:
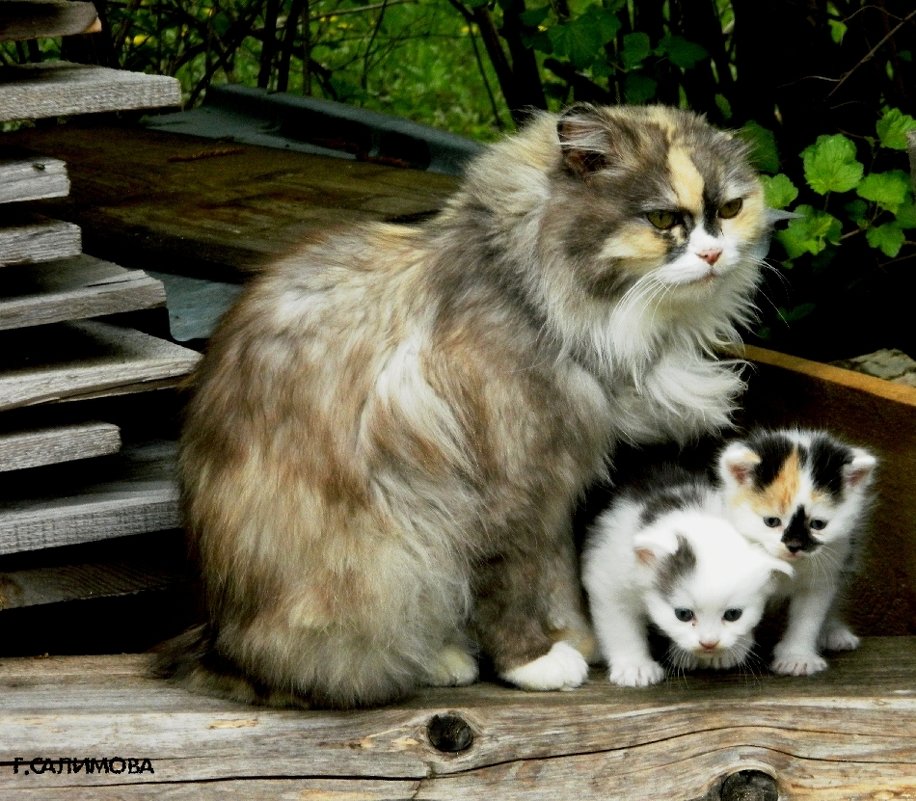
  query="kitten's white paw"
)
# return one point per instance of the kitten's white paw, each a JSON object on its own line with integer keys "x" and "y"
{"x": 839, "y": 638}
{"x": 797, "y": 663}
{"x": 636, "y": 674}
{"x": 561, "y": 668}
{"x": 454, "y": 667}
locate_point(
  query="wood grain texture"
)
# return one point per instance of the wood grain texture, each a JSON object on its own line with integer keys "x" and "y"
{"x": 85, "y": 359}
{"x": 29, "y": 176}
{"x": 31, "y": 19}
{"x": 73, "y": 289}
{"x": 133, "y": 492}
{"x": 25, "y": 239}
{"x": 846, "y": 735}
{"x": 20, "y": 450}
{"x": 59, "y": 88}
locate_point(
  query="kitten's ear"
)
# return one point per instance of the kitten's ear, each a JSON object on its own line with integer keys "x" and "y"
{"x": 858, "y": 472}
{"x": 650, "y": 546}
{"x": 737, "y": 463}
{"x": 583, "y": 134}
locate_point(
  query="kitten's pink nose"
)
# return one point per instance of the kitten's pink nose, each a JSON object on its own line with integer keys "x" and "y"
{"x": 710, "y": 256}
{"x": 709, "y": 645}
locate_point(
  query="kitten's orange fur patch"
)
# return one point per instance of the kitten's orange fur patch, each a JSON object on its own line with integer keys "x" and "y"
{"x": 686, "y": 180}
{"x": 778, "y": 498}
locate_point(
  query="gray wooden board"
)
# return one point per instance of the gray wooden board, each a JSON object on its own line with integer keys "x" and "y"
{"x": 72, "y": 289}
{"x": 29, "y": 176}
{"x": 133, "y": 492}
{"x": 20, "y": 450}
{"x": 848, "y": 734}
{"x": 59, "y": 88}
{"x": 85, "y": 359}
{"x": 31, "y": 19}
{"x": 25, "y": 239}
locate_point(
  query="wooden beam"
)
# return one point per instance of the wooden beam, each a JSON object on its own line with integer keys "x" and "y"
{"x": 20, "y": 450}
{"x": 26, "y": 239}
{"x": 131, "y": 493}
{"x": 31, "y": 19}
{"x": 59, "y": 88}
{"x": 85, "y": 359}
{"x": 73, "y": 289}
{"x": 845, "y": 735}
{"x": 29, "y": 176}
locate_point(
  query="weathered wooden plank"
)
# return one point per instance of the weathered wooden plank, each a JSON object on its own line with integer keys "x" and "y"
{"x": 36, "y": 448}
{"x": 132, "y": 492}
{"x": 220, "y": 210}
{"x": 59, "y": 88}
{"x": 29, "y": 176}
{"x": 848, "y": 734}
{"x": 73, "y": 289}
{"x": 85, "y": 359}
{"x": 31, "y": 19}
{"x": 25, "y": 239}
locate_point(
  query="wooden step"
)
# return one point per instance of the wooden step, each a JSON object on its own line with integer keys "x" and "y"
{"x": 29, "y": 176}
{"x": 85, "y": 360}
{"x": 31, "y": 19}
{"x": 130, "y": 493}
{"x": 20, "y": 450}
{"x": 73, "y": 289}
{"x": 29, "y": 238}
{"x": 59, "y": 88}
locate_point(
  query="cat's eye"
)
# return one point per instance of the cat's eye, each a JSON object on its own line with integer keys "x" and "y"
{"x": 772, "y": 522}
{"x": 684, "y": 615}
{"x": 816, "y": 524}
{"x": 731, "y": 615}
{"x": 663, "y": 219}
{"x": 730, "y": 209}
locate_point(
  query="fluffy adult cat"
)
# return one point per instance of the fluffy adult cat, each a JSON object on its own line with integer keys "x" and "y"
{"x": 802, "y": 495}
{"x": 390, "y": 428}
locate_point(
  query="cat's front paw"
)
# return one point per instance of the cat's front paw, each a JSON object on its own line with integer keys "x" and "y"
{"x": 561, "y": 668}
{"x": 839, "y": 638}
{"x": 454, "y": 667}
{"x": 635, "y": 674}
{"x": 797, "y": 663}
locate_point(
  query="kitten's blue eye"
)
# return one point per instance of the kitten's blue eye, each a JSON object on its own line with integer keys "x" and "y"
{"x": 684, "y": 615}
{"x": 731, "y": 615}
{"x": 816, "y": 524}
{"x": 772, "y": 522}
{"x": 730, "y": 209}
{"x": 664, "y": 219}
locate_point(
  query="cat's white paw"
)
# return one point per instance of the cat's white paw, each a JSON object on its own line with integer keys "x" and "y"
{"x": 636, "y": 674}
{"x": 561, "y": 668}
{"x": 839, "y": 638}
{"x": 797, "y": 663}
{"x": 454, "y": 667}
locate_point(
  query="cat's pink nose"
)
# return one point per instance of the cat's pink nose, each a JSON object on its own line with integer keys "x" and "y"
{"x": 710, "y": 256}
{"x": 709, "y": 645}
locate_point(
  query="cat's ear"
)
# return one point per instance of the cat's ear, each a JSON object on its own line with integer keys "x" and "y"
{"x": 583, "y": 134}
{"x": 737, "y": 463}
{"x": 858, "y": 472}
{"x": 650, "y": 546}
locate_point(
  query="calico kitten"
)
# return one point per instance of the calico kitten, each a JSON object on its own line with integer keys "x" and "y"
{"x": 668, "y": 557}
{"x": 390, "y": 428}
{"x": 802, "y": 496}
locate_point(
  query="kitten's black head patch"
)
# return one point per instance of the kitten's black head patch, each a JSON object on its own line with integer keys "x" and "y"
{"x": 828, "y": 458}
{"x": 773, "y": 449}
{"x": 675, "y": 567}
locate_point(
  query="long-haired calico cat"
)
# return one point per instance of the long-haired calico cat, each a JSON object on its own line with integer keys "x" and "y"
{"x": 391, "y": 426}
{"x": 664, "y": 554}
{"x": 802, "y": 496}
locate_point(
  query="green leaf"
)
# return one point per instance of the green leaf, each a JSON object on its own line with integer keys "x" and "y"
{"x": 887, "y": 238}
{"x": 778, "y": 190}
{"x": 857, "y": 211}
{"x": 887, "y": 189}
{"x": 893, "y": 127}
{"x": 831, "y": 164}
{"x": 764, "y": 155}
{"x": 535, "y": 16}
{"x": 682, "y": 52}
{"x": 906, "y": 214}
{"x": 639, "y": 88}
{"x": 636, "y": 49}
{"x": 579, "y": 42}
{"x": 811, "y": 233}
{"x": 604, "y": 20}
{"x": 796, "y": 313}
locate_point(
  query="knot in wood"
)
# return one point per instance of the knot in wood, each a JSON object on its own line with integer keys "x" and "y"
{"x": 449, "y": 733}
{"x": 749, "y": 785}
